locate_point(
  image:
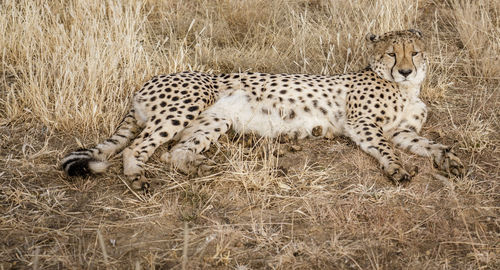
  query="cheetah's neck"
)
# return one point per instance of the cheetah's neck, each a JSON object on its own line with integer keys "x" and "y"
{"x": 410, "y": 89}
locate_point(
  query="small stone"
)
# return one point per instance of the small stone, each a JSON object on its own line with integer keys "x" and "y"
{"x": 294, "y": 148}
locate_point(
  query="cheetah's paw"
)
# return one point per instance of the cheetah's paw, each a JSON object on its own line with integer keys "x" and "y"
{"x": 398, "y": 174}
{"x": 449, "y": 163}
{"x": 139, "y": 182}
{"x": 188, "y": 162}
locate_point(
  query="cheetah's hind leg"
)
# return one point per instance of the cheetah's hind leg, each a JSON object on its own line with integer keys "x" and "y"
{"x": 196, "y": 138}
{"x": 138, "y": 153}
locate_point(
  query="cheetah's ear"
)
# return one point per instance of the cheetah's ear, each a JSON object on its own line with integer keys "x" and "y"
{"x": 416, "y": 32}
{"x": 371, "y": 37}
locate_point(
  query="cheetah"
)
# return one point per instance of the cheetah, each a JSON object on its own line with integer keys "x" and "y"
{"x": 377, "y": 108}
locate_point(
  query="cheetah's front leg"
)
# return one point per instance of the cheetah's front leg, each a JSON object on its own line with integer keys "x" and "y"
{"x": 443, "y": 158}
{"x": 369, "y": 137}
{"x": 195, "y": 139}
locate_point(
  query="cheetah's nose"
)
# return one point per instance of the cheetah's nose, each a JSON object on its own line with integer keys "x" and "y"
{"x": 405, "y": 72}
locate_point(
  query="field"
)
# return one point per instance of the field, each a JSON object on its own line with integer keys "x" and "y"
{"x": 68, "y": 70}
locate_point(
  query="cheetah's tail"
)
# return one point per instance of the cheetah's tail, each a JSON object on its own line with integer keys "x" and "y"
{"x": 85, "y": 162}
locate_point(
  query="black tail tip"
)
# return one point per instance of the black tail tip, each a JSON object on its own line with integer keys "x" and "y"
{"x": 77, "y": 163}
{"x": 83, "y": 163}
{"x": 78, "y": 168}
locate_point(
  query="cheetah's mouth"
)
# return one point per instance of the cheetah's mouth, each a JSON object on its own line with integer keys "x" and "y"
{"x": 401, "y": 79}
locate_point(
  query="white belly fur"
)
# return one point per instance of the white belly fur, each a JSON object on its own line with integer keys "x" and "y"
{"x": 248, "y": 117}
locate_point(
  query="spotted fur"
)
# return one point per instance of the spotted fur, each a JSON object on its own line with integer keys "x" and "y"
{"x": 377, "y": 107}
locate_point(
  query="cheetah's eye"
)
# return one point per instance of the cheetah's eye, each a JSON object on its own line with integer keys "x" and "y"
{"x": 414, "y": 53}
{"x": 391, "y": 54}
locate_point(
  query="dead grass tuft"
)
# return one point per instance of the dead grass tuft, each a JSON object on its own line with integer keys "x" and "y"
{"x": 478, "y": 27}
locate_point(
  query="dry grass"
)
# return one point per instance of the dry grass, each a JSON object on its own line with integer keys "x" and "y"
{"x": 69, "y": 68}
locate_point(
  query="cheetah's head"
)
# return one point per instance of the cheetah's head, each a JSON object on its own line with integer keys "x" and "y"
{"x": 399, "y": 56}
